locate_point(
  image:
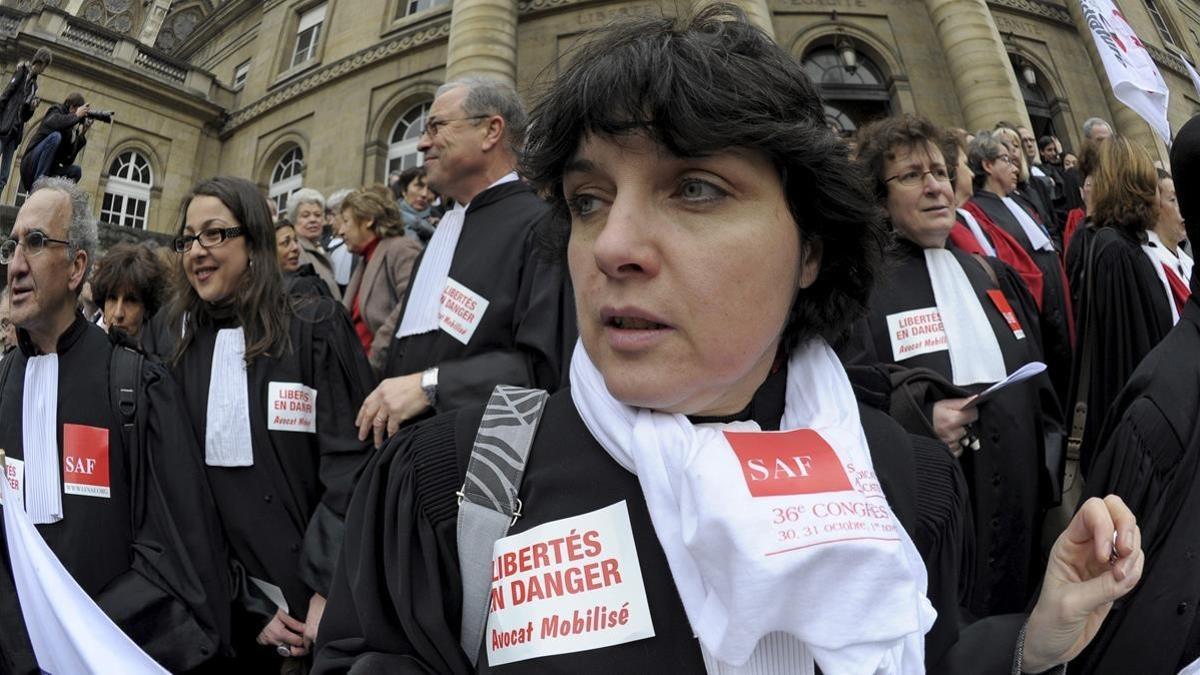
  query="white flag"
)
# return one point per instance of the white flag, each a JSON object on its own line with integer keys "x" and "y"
{"x": 1190, "y": 69}
{"x": 1135, "y": 79}
{"x": 68, "y": 631}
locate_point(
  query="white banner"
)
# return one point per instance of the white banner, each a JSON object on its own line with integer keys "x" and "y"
{"x": 1133, "y": 75}
{"x": 1190, "y": 69}
{"x": 68, "y": 631}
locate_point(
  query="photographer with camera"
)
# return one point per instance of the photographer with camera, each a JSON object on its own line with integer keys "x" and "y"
{"x": 58, "y": 140}
{"x": 17, "y": 105}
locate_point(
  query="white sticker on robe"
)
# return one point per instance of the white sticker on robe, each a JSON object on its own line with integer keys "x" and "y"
{"x": 461, "y": 311}
{"x": 14, "y": 475}
{"x": 806, "y": 495}
{"x": 291, "y": 406}
{"x": 567, "y": 586}
{"x": 916, "y": 332}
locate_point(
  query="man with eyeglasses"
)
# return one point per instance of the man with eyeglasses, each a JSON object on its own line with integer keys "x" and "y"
{"x": 100, "y": 450}
{"x": 482, "y": 308}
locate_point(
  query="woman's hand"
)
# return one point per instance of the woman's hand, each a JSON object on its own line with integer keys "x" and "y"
{"x": 950, "y": 421}
{"x": 312, "y": 621}
{"x": 395, "y": 400}
{"x": 1086, "y": 573}
{"x": 286, "y": 631}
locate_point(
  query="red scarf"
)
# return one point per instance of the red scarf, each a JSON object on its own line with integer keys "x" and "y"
{"x": 1179, "y": 289}
{"x": 1007, "y": 248}
{"x": 1074, "y": 218}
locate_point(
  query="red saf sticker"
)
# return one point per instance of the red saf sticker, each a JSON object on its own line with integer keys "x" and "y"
{"x": 85, "y": 461}
{"x": 1006, "y": 311}
{"x": 793, "y": 462}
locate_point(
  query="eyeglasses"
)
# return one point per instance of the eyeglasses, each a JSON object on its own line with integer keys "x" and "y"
{"x": 1003, "y": 158}
{"x": 432, "y": 127}
{"x": 209, "y": 238}
{"x": 34, "y": 242}
{"x": 911, "y": 178}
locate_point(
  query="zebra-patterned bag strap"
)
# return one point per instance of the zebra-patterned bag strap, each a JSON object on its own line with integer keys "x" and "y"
{"x": 487, "y": 503}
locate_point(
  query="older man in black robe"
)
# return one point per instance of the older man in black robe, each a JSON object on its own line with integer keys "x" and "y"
{"x": 1149, "y": 455}
{"x": 483, "y": 308}
{"x": 108, "y": 471}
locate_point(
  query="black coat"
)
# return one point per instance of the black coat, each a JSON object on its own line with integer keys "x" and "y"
{"x": 1150, "y": 456}
{"x": 1056, "y": 315}
{"x": 1127, "y": 315}
{"x": 150, "y": 554}
{"x": 16, "y": 103}
{"x": 1008, "y": 476}
{"x": 525, "y": 335}
{"x": 396, "y": 602}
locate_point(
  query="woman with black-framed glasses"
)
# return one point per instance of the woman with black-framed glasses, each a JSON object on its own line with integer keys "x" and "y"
{"x": 272, "y": 382}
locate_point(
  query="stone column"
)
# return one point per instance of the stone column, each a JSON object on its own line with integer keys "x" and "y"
{"x": 483, "y": 40}
{"x": 979, "y": 66}
{"x": 1124, "y": 121}
{"x": 156, "y": 13}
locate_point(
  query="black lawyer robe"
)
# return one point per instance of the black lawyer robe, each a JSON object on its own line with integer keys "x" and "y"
{"x": 396, "y": 602}
{"x": 1150, "y": 457}
{"x": 283, "y": 515}
{"x": 1009, "y": 483}
{"x": 151, "y": 553}
{"x": 1129, "y": 314}
{"x": 525, "y": 335}
{"x": 1056, "y": 314}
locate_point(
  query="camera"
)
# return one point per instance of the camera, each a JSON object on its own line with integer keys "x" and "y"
{"x": 105, "y": 116}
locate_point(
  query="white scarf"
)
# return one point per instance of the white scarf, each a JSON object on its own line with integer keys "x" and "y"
{"x": 425, "y": 297}
{"x": 1037, "y": 236}
{"x": 857, "y": 605}
{"x": 1181, "y": 263}
{"x": 1156, "y": 263}
{"x": 227, "y": 440}
{"x": 975, "y": 354}
{"x": 39, "y": 435}
{"x": 973, "y": 226}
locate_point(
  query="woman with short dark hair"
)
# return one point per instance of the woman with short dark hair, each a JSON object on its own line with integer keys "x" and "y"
{"x": 969, "y": 319}
{"x": 272, "y": 382}
{"x": 416, "y": 204}
{"x": 705, "y": 495}
{"x": 128, "y": 285}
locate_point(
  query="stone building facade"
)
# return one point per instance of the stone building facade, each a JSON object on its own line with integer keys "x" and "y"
{"x": 332, "y": 93}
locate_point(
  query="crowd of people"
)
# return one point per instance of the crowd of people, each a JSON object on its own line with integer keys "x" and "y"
{"x": 661, "y": 375}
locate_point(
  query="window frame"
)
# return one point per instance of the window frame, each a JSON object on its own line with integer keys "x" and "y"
{"x": 281, "y": 187}
{"x": 123, "y": 194}
{"x": 310, "y": 23}
{"x": 397, "y": 151}
{"x": 241, "y": 73}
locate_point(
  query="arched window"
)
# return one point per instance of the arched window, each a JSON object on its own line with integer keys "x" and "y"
{"x": 1042, "y": 108}
{"x": 287, "y": 177}
{"x": 127, "y": 194}
{"x": 853, "y": 95}
{"x": 402, "y": 145}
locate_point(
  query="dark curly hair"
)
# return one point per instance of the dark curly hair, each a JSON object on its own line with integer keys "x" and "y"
{"x": 879, "y": 141}
{"x": 132, "y": 269}
{"x": 703, "y": 85}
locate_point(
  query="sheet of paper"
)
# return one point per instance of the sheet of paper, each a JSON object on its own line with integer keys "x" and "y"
{"x": 1019, "y": 375}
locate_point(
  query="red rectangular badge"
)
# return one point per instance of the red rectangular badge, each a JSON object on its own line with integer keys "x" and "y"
{"x": 1006, "y": 311}
{"x": 793, "y": 462}
{"x": 85, "y": 461}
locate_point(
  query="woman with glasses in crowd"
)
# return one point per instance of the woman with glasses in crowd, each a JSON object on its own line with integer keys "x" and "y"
{"x": 971, "y": 320}
{"x": 996, "y": 165}
{"x": 666, "y": 521}
{"x": 272, "y": 382}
